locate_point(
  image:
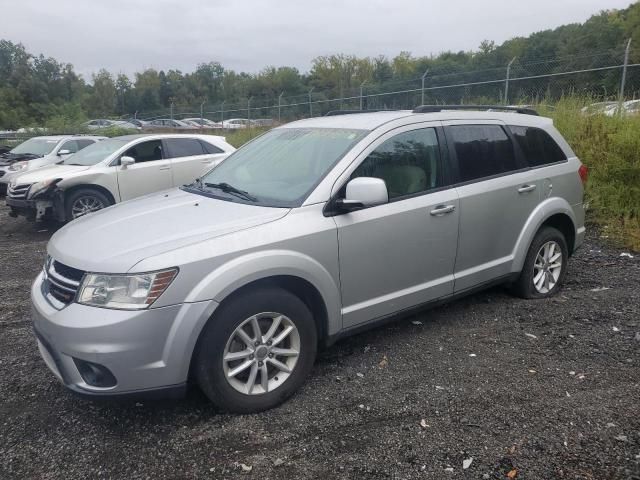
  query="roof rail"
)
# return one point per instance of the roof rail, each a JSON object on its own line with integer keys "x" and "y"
{"x": 490, "y": 108}
{"x": 333, "y": 113}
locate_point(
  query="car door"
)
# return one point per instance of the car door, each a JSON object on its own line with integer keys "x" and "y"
{"x": 150, "y": 173}
{"x": 189, "y": 160}
{"x": 497, "y": 192}
{"x": 400, "y": 254}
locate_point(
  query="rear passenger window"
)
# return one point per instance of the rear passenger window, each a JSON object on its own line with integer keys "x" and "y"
{"x": 537, "y": 146}
{"x": 482, "y": 151}
{"x": 408, "y": 163}
{"x": 211, "y": 149}
{"x": 184, "y": 147}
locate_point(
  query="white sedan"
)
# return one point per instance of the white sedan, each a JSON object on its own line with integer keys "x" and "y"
{"x": 112, "y": 171}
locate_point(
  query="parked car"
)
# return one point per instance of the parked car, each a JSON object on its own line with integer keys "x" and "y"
{"x": 235, "y": 123}
{"x": 598, "y": 108}
{"x": 263, "y": 122}
{"x": 105, "y": 123}
{"x": 137, "y": 122}
{"x": 113, "y": 171}
{"x": 38, "y": 152}
{"x": 311, "y": 232}
{"x": 202, "y": 122}
{"x": 169, "y": 123}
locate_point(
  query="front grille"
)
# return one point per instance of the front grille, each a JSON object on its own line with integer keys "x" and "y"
{"x": 18, "y": 192}
{"x": 62, "y": 281}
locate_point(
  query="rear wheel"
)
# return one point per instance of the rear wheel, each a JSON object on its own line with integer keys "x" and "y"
{"x": 256, "y": 350}
{"x": 84, "y": 201}
{"x": 545, "y": 265}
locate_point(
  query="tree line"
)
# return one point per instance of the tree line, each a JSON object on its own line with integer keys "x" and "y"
{"x": 36, "y": 90}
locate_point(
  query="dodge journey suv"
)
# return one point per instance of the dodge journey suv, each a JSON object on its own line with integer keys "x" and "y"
{"x": 313, "y": 231}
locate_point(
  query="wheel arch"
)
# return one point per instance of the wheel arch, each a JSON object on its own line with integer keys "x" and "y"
{"x": 89, "y": 186}
{"x": 555, "y": 212}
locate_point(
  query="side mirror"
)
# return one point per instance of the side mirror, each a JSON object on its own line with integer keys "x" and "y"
{"x": 364, "y": 192}
{"x": 126, "y": 161}
{"x": 64, "y": 152}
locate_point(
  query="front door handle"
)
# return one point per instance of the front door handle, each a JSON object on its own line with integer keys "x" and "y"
{"x": 526, "y": 188}
{"x": 442, "y": 209}
{"x": 164, "y": 168}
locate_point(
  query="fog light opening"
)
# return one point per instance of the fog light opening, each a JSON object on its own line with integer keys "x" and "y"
{"x": 95, "y": 374}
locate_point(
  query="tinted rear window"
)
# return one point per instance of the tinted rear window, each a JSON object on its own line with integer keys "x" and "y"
{"x": 184, "y": 147}
{"x": 482, "y": 151}
{"x": 212, "y": 149}
{"x": 537, "y": 146}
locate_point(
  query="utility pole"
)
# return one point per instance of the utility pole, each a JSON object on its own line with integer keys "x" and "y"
{"x": 222, "y": 114}
{"x": 361, "y": 90}
{"x": 624, "y": 76}
{"x": 424, "y": 76}
{"x": 202, "y": 112}
{"x": 506, "y": 84}
{"x": 249, "y": 110}
{"x": 310, "y": 102}
{"x": 279, "y": 103}
{"x": 171, "y": 107}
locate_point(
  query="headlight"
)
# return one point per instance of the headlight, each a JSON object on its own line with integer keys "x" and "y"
{"x": 126, "y": 292}
{"x": 19, "y": 166}
{"x": 40, "y": 187}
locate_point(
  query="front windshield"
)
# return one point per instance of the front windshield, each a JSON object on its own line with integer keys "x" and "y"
{"x": 36, "y": 146}
{"x": 281, "y": 167}
{"x": 95, "y": 153}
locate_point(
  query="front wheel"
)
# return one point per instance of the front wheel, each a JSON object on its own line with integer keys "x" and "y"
{"x": 545, "y": 265}
{"x": 84, "y": 201}
{"x": 256, "y": 350}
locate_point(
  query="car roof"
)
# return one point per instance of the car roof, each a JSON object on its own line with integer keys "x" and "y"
{"x": 372, "y": 120}
{"x": 63, "y": 137}
{"x": 159, "y": 136}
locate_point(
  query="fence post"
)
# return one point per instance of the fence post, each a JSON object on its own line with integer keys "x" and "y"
{"x": 361, "y": 89}
{"x": 222, "y": 113}
{"x": 506, "y": 83}
{"x": 424, "y": 75}
{"x": 249, "y": 110}
{"x": 202, "y": 112}
{"x": 310, "y": 104}
{"x": 279, "y": 103}
{"x": 171, "y": 106}
{"x": 624, "y": 76}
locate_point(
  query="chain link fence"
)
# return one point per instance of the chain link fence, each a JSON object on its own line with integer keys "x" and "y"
{"x": 595, "y": 75}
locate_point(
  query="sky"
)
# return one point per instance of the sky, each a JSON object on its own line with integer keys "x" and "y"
{"x": 125, "y": 36}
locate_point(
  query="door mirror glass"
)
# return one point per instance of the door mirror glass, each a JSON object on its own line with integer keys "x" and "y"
{"x": 364, "y": 192}
{"x": 126, "y": 161}
{"x": 64, "y": 152}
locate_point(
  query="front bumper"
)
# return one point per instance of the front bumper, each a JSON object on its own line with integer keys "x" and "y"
{"x": 148, "y": 351}
{"x": 32, "y": 209}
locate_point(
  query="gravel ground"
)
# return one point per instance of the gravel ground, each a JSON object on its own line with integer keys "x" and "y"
{"x": 530, "y": 389}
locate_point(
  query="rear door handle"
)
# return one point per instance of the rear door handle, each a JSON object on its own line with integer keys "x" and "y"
{"x": 165, "y": 168}
{"x": 526, "y": 188}
{"x": 442, "y": 209}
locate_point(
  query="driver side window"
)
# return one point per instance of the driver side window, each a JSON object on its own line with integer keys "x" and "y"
{"x": 409, "y": 163}
{"x": 145, "y": 151}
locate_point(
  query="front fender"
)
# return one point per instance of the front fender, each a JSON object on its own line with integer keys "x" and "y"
{"x": 542, "y": 212}
{"x": 241, "y": 271}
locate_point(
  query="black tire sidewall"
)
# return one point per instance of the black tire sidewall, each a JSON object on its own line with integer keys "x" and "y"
{"x": 208, "y": 359}
{"x": 525, "y": 281}
{"x": 83, "y": 192}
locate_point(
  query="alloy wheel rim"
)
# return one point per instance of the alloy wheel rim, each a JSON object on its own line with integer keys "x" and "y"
{"x": 547, "y": 267}
{"x": 84, "y": 205}
{"x": 261, "y": 353}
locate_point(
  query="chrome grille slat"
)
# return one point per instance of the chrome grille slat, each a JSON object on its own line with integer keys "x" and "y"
{"x": 60, "y": 286}
{"x": 18, "y": 192}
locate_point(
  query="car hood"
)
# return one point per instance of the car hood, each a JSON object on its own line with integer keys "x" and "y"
{"x": 51, "y": 171}
{"x": 9, "y": 158}
{"x": 115, "y": 239}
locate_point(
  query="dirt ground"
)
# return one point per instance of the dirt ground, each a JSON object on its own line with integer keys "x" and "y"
{"x": 531, "y": 389}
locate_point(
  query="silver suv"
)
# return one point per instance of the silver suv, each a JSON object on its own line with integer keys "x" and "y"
{"x": 308, "y": 233}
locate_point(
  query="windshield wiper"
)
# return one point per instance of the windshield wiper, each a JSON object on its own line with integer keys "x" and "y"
{"x": 226, "y": 188}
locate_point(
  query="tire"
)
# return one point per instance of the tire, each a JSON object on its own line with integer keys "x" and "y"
{"x": 88, "y": 197}
{"x": 221, "y": 338}
{"x": 525, "y": 286}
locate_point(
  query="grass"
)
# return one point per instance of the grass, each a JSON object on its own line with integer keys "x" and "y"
{"x": 610, "y": 147}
